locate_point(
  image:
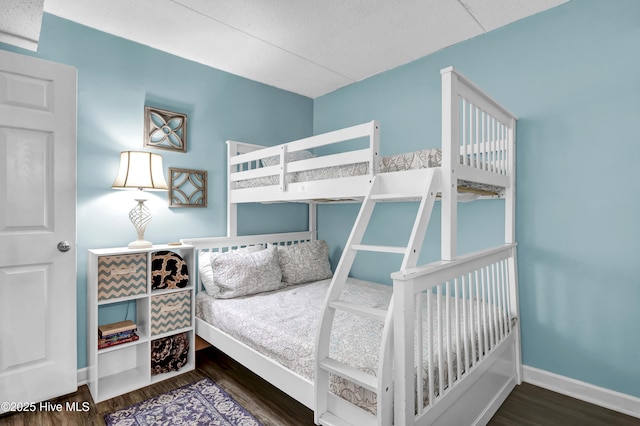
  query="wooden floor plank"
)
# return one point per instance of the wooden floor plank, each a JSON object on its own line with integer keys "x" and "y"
{"x": 532, "y": 405}
{"x": 527, "y": 405}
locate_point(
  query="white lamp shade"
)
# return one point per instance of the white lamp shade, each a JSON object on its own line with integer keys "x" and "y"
{"x": 140, "y": 170}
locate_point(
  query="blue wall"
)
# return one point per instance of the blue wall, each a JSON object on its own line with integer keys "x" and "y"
{"x": 116, "y": 79}
{"x": 572, "y": 76}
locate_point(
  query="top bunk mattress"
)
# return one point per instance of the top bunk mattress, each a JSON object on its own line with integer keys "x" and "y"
{"x": 422, "y": 159}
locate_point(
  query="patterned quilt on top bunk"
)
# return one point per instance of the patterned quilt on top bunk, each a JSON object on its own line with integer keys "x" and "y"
{"x": 426, "y": 158}
{"x": 282, "y": 325}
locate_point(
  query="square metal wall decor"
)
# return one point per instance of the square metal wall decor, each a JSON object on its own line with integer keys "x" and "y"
{"x": 165, "y": 129}
{"x": 187, "y": 188}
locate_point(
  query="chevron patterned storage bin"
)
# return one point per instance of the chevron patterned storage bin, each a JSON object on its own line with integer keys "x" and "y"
{"x": 171, "y": 311}
{"x": 122, "y": 276}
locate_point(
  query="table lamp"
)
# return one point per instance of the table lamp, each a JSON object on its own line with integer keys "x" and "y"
{"x": 142, "y": 171}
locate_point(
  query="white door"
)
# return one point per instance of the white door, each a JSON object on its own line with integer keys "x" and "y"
{"x": 38, "y": 355}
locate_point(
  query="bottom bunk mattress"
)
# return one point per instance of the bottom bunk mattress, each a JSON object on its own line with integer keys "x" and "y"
{"x": 282, "y": 325}
{"x": 422, "y": 159}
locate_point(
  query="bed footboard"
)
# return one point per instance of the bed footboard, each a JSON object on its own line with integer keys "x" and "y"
{"x": 478, "y": 146}
{"x": 478, "y": 134}
{"x": 471, "y": 342}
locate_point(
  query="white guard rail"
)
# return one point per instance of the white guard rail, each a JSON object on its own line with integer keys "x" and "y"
{"x": 245, "y": 160}
{"x": 471, "y": 304}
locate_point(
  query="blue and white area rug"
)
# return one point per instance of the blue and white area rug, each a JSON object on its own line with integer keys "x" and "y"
{"x": 200, "y": 403}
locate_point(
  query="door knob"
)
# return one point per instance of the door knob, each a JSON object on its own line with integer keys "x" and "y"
{"x": 64, "y": 246}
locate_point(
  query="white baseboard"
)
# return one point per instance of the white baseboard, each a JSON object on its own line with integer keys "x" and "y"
{"x": 82, "y": 376}
{"x": 603, "y": 397}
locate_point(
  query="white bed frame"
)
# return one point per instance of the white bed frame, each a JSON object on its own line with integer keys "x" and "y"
{"x": 478, "y": 145}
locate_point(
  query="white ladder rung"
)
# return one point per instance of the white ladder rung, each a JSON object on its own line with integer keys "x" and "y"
{"x": 395, "y": 197}
{"x": 354, "y": 375}
{"x": 331, "y": 409}
{"x": 367, "y": 311}
{"x": 382, "y": 249}
{"x": 330, "y": 419}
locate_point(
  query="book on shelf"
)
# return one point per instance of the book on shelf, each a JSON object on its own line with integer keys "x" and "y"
{"x": 117, "y": 336}
{"x": 116, "y": 327}
{"x": 105, "y": 343}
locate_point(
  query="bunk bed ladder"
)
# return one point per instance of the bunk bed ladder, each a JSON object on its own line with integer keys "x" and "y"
{"x": 331, "y": 410}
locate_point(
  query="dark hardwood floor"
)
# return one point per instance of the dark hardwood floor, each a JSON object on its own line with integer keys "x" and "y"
{"x": 527, "y": 405}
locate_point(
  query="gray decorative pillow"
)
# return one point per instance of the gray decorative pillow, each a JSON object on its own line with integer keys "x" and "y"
{"x": 242, "y": 273}
{"x": 206, "y": 273}
{"x": 304, "y": 262}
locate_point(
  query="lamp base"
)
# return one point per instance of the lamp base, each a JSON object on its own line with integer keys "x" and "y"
{"x": 139, "y": 244}
{"x": 140, "y": 216}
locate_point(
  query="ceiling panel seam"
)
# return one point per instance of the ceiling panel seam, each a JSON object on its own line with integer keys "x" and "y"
{"x": 470, "y": 12}
{"x": 351, "y": 79}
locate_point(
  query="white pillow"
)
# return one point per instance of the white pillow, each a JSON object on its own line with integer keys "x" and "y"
{"x": 206, "y": 273}
{"x": 304, "y": 262}
{"x": 243, "y": 273}
{"x": 291, "y": 156}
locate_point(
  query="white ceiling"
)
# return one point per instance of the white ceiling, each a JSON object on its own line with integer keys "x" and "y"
{"x": 310, "y": 47}
{"x": 20, "y": 22}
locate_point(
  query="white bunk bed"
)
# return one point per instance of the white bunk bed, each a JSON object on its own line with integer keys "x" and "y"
{"x": 450, "y": 325}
